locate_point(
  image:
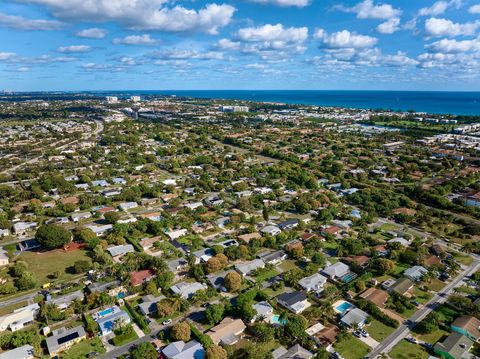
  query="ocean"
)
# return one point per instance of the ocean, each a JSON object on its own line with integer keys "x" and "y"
{"x": 456, "y": 103}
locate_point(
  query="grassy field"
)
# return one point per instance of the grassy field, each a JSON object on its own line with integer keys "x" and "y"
{"x": 434, "y": 337}
{"x": 421, "y": 296}
{"x": 44, "y": 264}
{"x": 287, "y": 265}
{"x": 435, "y": 285}
{"x": 352, "y": 348}
{"x": 465, "y": 260}
{"x": 406, "y": 350}
{"x": 264, "y": 275}
{"x": 378, "y": 330}
{"x": 125, "y": 336}
{"x": 82, "y": 349}
{"x": 399, "y": 268}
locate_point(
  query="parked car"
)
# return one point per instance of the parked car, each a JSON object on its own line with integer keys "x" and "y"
{"x": 167, "y": 322}
{"x": 412, "y": 340}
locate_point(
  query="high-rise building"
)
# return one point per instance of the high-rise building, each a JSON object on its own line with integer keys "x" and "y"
{"x": 111, "y": 99}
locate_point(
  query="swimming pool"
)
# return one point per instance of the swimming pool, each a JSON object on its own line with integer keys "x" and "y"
{"x": 105, "y": 312}
{"x": 275, "y": 319}
{"x": 343, "y": 306}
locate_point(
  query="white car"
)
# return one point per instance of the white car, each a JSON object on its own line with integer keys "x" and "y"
{"x": 167, "y": 322}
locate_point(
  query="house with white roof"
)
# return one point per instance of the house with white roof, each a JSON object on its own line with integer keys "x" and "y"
{"x": 80, "y": 215}
{"x": 415, "y": 273}
{"x": 4, "y": 259}
{"x": 21, "y": 228}
{"x": 120, "y": 250}
{"x": 175, "y": 234}
{"x": 100, "y": 183}
{"x": 313, "y": 283}
{"x": 23, "y": 352}
{"x": 19, "y": 318}
{"x": 100, "y": 230}
{"x": 182, "y": 350}
{"x": 271, "y": 230}
{"x": 263, "y": 310}
{"x": 127, "y": 205}
{"x": 248, "y": 267}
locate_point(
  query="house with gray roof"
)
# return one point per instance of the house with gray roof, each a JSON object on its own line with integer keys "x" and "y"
{"x": 336, "y": 271}
{"x": 121, "y": 250}
{"x": 107, "y": 318}
{"x": 187, "y": 289}
{"x": 248, "y": 267}
{"x": 182, "y": 350}
{"x": 63, "y": 338}
{"x": 294, "y": 352}
{"x": 23, "y": 352}
{"x": 149, "y": 304}
{"x": 354, "y": 317}
{"x": 415, "y": 273}
{"x": 263, "y": 309}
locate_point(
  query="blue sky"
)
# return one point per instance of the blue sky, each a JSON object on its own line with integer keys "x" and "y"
{"x": 249, "y": 44}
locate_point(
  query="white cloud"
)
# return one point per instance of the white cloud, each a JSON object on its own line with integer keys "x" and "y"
{"x": 344, "y": 40}
{"x": 144, "y": 39}
{"x": 143, "y": 14}
{"x": 92, "y": 33}
{"x": 367, "y": 9}
{"x": 454, "y": 46}
{"x": 23, "y": 69}
{"x": 474, "y": 9}
{"x": 7, "y": 56}
{"x": 226, "y": 44}
{"x": 443, "y": 27}
{"x": 284, "y": 3}
{"x": 21, "y": 23}
{"x": 438, "y": 8}
{"x": 273, "y": 33}
{"x": 181, "y": 54}
{"x": 74, "y": 48}
{"x": 398, "y": 60}
{"x": 389, "y": 26}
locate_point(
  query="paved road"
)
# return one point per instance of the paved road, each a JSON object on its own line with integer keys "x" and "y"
{"x": 403, "y": 331}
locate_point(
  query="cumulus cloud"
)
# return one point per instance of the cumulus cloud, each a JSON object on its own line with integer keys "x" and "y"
{"x": 474, "y": 9}
{"x": 436, "y": 27}
{"x": 22, "y": 23}
{"x": 92, "y": 33}
{"x": 74, "y": 48}
{"x": 144, "y": 39}
{"x": 273, "y": 33}
{"x": 143, "y": 15}
{"x": 438, "y": 8}
{"x": 367, "y": 9}
{"x": 182, "y": 54}
{"x": 226, "y": 44}
{"x": 285, "y": 3}
{"x": 7, "y": 56}
{"x": 389, "y": 26}
{"x": 454, "y": 46}
{"x": 344, "y": 40}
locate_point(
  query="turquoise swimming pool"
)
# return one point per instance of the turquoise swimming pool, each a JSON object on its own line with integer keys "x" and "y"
{"x": 276, "y": 320}
{"x": 105, "y": 312}
{"x": 343, "y": 307}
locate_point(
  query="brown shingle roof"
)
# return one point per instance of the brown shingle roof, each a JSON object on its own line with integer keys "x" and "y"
{"x": 469, "y": 324}
{"x": 375, "y": 296}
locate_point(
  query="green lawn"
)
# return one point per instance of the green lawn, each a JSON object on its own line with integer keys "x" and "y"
{"x": 465, "y": 260}
{"x": 124, "y": 336}
{"x": 352, "y": 348}
{"x": 287, "y": 265}
{"x": 82, "y": 349}
{"x": 421, "y": 296}
{"x": 378, "y": 330}
{"x": 406, "y": 350}
{"x": 10, "y": 308}
{"x": 44, "y": 264}
{"x": 264, "y": 275}
{"x": 447, "y": 315}
{"x": 399, "y": 268}
{"x": 435, "y": 285}
{"x": 434, "y": 337}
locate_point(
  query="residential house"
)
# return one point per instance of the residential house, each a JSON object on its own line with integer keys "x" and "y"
{"x": 119, "y": 251}
{"x": 177, "y": 265}
{"x": 4, "y": 232}
{"x": 193, "y": 206}
{"x": 119, "y": 180}
{"x": 228, "y": 243}
{"x": 153, "y": 216}
{"x": 203, "y": 255}
{"x": 403, "y": 242}
{"x": 455, "y": 346}
{"x": 63, "y": 338}
{"x": 227, "y": 332}
{"x": 78, "y": 216}
{"x": 313, "y": 283}
{"x": 109, "y": 317}
{"x": 248, "y": 267}
{"x": 182, "y": 350}
{"x": 66, "y": 300}
{"x": 336, "y": 271}
{"x": 217, "y": 279}
{"x": 263, "y": 310}
{"x": 402, "y": 286}
{"x": 176, "y": 233}
{"x": 141, "y": 277}
{"x": 288, "y": 224}
{"x": 294, "y": 352}
{"x": 187, "y": 289}
{"x": 23, "y": 352}
{"x": 21, "y": 228}
{"x": 4, "y": 258}
{"x": 354, "y": 317}
{"x": 149, "y": 304}
{"x": 415, "y": 273}
{"x": 271, "y": 230}
{"x": 19, "y": 318}
{"x": 295, "y": 301}
{"x": 249, "y": 236}
{"x": 100, "y": 183}
{"x": 375, "y": 296}
{"x": 147, "y": 243}
{"x": 127, "y": 205}
{"x": 273, "y": 258}
{"x": 327, "y": 336}
{"x": 468, "y": 326}
{"x": 100, "y": 230}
